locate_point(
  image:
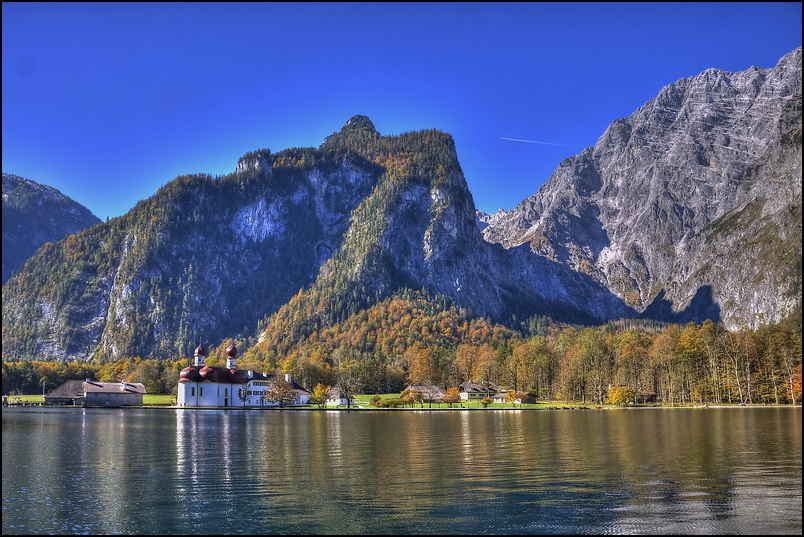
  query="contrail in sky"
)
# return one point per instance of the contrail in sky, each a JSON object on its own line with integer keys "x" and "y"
{"x": 535, "y": 142}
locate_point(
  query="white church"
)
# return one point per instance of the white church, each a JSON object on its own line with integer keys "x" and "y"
{"x": 201, "y": 386}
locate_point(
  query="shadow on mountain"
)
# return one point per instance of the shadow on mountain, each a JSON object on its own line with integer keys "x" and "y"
{"x": 701, "y": 308}
{"x": 536, "y": 286}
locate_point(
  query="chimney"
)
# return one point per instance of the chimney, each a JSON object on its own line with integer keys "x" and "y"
{"x": 288, "y": 378}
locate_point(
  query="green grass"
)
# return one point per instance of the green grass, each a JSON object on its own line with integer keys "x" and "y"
{"x": 27, "y": 398}
{"x": 158, "y": 399}
{"x": 365, "y": 401}
{"x": 147, "y": 399}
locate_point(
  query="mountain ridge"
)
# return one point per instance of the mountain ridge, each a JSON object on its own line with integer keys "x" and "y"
{"x": 295, "y": 243}
{"x": 623, "y": 210}
{"x": 33, "y": 214}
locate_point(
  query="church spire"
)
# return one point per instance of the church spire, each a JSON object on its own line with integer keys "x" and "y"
{"x": 200, "y": 356}
{"x": 231, "y": 357}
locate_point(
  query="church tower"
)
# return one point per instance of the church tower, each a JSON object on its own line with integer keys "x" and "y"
{"x": 231, "y": 358}
{"x": 200, "y": 356}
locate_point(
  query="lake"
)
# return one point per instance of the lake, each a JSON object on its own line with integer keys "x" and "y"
{"x": 636, "y": 471}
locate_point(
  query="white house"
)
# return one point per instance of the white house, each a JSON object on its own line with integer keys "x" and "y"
{"x": 336, "y": 398}
{"x": 471, "y": 390}
{"x": 201, "y": 386}
{"x": 502, "y": 397}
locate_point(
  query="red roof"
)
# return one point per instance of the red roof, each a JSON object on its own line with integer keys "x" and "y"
{"x": 190, "y": 374}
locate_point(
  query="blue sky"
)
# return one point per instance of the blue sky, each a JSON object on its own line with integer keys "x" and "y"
{"x": 107, "y": 102}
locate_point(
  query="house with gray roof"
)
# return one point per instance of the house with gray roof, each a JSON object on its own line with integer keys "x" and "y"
{"x": 477, "y": 390}
{"x": 430, "y": 392}
{"x": 93, "y": 393}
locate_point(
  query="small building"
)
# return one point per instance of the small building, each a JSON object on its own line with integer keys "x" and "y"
{"x": 336, "y": 398}
{"x": 642, "y": 398}
{"x": 202, "y": 386}
{"x": 430, "y": 392}
{"x": 502, "y": 397}
{"x": 472, "y": 390}
{"x": 93, "y": 393}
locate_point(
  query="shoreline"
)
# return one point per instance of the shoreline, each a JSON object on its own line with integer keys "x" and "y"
{"x": 360, "y": 408}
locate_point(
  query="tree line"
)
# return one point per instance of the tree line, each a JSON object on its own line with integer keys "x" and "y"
{"x": 676, "y": 364}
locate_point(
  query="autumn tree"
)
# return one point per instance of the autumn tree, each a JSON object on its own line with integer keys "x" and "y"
{"x": 349, "y": 381}
{"x": 596, "y": 362}
{"x": 280, "y": 391}
{"x": 412, "y": 396}
{"x": 465, "y": 357}
{"x": 795, "y": 385}
{"x": 517, "y": 368}
{"x": 662, "y": 356}
{"x": 452, "y": 397}
{"x": 320, "y": 394}
{"x": 513, "y": 397}
{"x": 788, "y": 349}
{"x": 420, "y": 365}
{"x": 631, "y": 365}
{"x": 620, "y": 395}
{"x": 691, "y": 357}
{"x": 486, "y": 365}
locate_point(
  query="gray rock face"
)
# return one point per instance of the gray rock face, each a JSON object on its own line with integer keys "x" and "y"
{"x": 34, "y": 214}
{"x": 660, "y": 209}
{"x": 430, "y": 240}
{"x": 256, "y": 160}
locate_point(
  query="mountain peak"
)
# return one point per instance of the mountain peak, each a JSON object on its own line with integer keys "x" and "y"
{"x": 359, "y": 123}
{"x": 355, "y": 133}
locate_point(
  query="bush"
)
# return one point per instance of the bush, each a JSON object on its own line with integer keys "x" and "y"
{"x": 620, "y": 395}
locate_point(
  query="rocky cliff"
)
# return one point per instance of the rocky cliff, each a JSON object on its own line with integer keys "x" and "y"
{"x": 690, "y": 208}
{"x": 417, "y": 230}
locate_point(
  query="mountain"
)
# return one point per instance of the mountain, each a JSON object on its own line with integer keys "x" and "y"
{"x": 34, "y": 214}
{"x": 417, "y": 231}
{"x": 203, "y": 258}
{"x": 688, "y": 209}
{"x": 669, "y": 216}
{"x": 311, "y": 235}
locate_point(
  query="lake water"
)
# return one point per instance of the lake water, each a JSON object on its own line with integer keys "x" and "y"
{"x": 638, "y": 471}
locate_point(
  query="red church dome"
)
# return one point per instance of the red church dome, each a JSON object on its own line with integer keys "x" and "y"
{"x": 209, "y": 373}
{"x": 190, "y": 374}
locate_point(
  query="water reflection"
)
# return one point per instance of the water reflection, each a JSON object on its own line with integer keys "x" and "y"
{"x": 310, "y": 472}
